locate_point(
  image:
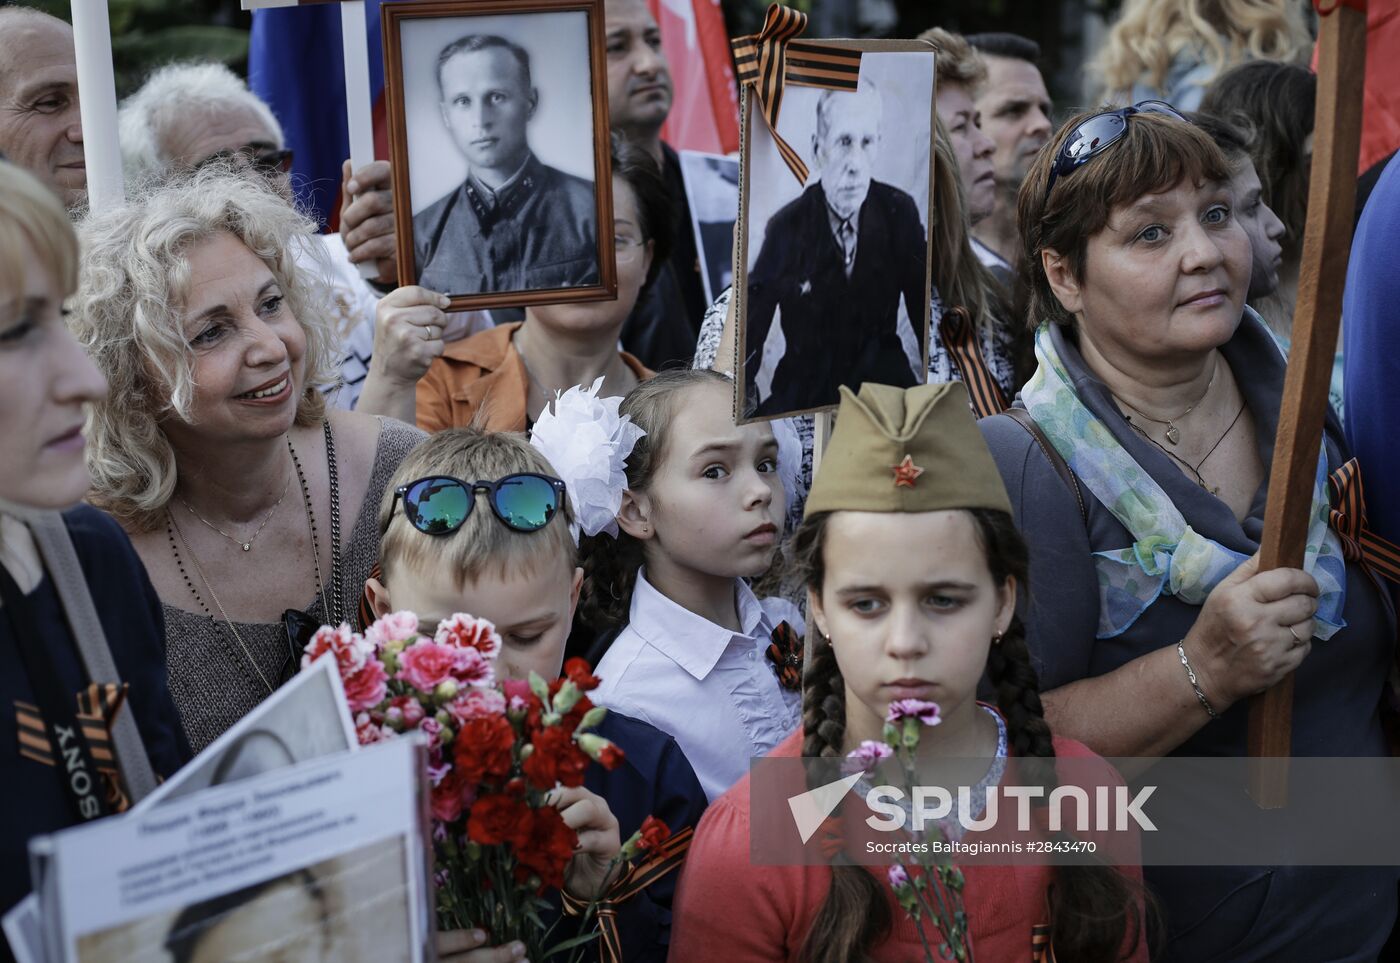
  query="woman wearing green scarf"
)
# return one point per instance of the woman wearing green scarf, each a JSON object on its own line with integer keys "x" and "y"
{"x": 1140, "y": 480}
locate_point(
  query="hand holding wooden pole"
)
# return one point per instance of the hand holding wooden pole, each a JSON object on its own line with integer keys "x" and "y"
{"x": 1322, "y": 274}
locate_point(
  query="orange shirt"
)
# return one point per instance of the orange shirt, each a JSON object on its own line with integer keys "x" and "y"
{"x": 481, "y": 381}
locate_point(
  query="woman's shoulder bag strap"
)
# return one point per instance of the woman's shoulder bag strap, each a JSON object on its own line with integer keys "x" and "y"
{"x": 1023, "y": 418}
{"x": 61, "y": 562}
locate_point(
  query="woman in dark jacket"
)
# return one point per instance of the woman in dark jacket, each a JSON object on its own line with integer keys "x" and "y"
{"x": 82, "y": 652}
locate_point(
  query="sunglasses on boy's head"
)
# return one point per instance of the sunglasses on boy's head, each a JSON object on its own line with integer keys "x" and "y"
{"x": 440, "y": 504}
{"x": 1097, "y": 134}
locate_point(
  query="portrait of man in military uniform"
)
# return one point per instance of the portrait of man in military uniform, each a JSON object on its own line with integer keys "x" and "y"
{"x": 514, "y": 223}
{"x": 840, "y": 268}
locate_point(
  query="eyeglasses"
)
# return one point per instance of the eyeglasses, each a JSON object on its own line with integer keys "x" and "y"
{"x": 1099, "y": 133}
{"x": 440, "y": 504}
{"x": 627, "y": 249}
{"x": 265, "y": 162}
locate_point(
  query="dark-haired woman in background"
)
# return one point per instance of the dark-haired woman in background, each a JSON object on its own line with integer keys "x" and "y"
{"x": 501, "y": 379}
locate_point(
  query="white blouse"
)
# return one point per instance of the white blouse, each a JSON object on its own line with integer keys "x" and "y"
{"x": 714, "y": 691}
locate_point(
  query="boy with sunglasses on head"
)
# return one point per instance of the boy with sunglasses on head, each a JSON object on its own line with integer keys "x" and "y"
{"x": 478, "y": 523}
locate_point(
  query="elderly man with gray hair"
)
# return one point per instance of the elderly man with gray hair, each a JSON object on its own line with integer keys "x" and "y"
{"x": 836, "y": 262}
{"x": 192, "y": 115}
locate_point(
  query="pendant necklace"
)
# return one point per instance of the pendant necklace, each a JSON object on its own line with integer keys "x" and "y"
{"x": 1173, "y": 433}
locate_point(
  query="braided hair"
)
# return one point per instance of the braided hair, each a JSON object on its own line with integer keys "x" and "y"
{"x": 1093, "y": 909}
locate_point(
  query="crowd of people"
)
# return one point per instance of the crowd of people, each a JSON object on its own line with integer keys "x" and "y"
{"x": 1064, "y": 553}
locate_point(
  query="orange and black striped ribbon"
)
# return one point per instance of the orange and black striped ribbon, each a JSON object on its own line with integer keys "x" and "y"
{"x": 768, "y": 60}
{"x": 785, "y": 652}
{"x": 1348, "y": 520}
{"x": 667, "y": 858}
{"x": 1041, "y": 949}
{"x": 959, "y": 337}
{"x": 98, "y": 705}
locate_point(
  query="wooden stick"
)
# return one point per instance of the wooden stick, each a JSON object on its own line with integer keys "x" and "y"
{"x": 1322, "y": 275}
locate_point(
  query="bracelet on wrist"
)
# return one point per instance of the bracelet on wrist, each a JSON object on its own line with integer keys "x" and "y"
{"x": 1195, "y": 686}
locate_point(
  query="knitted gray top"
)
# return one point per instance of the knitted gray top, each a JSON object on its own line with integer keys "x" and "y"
{"x": 210, "y": 679}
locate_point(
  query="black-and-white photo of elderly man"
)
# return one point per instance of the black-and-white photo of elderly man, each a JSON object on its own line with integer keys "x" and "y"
{"x": 514, "y": 223}
{"x": 834, "y": 266}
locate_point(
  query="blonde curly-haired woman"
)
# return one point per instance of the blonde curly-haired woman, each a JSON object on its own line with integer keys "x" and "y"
{"x": 1172, "y": 49}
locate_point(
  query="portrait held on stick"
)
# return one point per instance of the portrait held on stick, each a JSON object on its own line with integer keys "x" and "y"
{"x": 833, "y": 268}
{"x": 500, "y": 149}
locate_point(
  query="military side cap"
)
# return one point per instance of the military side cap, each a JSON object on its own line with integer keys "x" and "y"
{"x": 906, "y": 450}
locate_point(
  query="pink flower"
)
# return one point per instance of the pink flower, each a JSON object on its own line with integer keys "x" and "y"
{"x": 406, "y": 710}
{"x": 367, "y": 687}
{"x": 424, "y": 664}
{"x": 476, "y": 704}
{"x": 473, "y": 668}
{"x": 367, "y": 732}
{"x": 394, "y": 627}
{"x": 436, "y": 773}
{"x": 463, "y": 631}
{"x": 349, "y": 648}
{"x": 432, "y": 729}
{"x": 865, "y": 757}
{"x": 925, "y": 712}
{"x": 898, "y": 877}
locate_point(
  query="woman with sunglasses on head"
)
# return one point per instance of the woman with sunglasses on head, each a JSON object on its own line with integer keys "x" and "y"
{"x": 50, "y": 671}
{"x": 1138, "y": 475}
{"x": 501, "y": 379}
{"x": 251, "y": 503}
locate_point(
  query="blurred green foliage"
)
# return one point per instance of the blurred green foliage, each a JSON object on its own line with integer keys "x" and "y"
{"x": 149, "y": 33}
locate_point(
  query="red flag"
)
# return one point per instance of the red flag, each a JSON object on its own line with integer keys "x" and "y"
{"x": 704, "y": 114}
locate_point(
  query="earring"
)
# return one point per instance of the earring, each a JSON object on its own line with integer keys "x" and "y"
{"x": 996, "y": 639}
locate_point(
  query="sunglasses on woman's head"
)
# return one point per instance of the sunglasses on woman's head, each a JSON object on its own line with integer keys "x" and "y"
{"x": 1097, "y": 134}
{"x": 440, "y": 504}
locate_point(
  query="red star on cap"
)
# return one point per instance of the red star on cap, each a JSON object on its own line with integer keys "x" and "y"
{"x": 906, "y": 472}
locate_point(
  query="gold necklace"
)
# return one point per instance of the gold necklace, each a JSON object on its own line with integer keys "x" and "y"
{"x": 214, "y": 595}
{"x": 1173, "y": 434}
{"x": 248, "y": 545}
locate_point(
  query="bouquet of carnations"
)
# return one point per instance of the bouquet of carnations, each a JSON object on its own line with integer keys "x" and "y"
{"x": 933, "y": 890}
{"x": 495, "y": 751}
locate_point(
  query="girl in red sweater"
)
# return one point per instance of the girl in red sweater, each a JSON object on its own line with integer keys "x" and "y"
{"x": 912, "y": 563}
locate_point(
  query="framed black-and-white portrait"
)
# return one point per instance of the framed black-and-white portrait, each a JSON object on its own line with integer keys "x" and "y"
{"x": 499, "y": 135}
{"x": 833, "y": 274}
{"x": 712, "y": 191}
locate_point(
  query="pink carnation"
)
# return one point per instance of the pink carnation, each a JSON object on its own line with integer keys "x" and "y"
{"x": 865, "y": 757}
{"x": 431, "y": 728}
{"x": 367, "y": 732}
{"x": 473, "y": 668}
{"x": 462, "y": 631}
{"x": 477, "y": 704}
{"x": 425, "y": 664}
{"x": 898, "y": 877}
{"x": 405, "y": 709}
{"x": 393, "y": 627}
{"x": 367, "y": 687}
{"x": 349, "y": 648}
{"x": 925, "y": 712}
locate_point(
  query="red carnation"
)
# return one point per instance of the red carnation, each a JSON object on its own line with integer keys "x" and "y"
{"x": 549, "y": 848}
{"x": 450, "y": 797}
{"x": 555, "y": 759}
{"x": 654, "y": 833}
{"x": 577, "y": 671}
{"x": 482, "y": 749}
{"x": 499, "y": 819}
{"x": 610, "y": 757}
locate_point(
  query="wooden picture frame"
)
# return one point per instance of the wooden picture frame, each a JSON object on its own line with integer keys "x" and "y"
{"x": 749, "y": 359}
{"x": 529, "y": 245}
